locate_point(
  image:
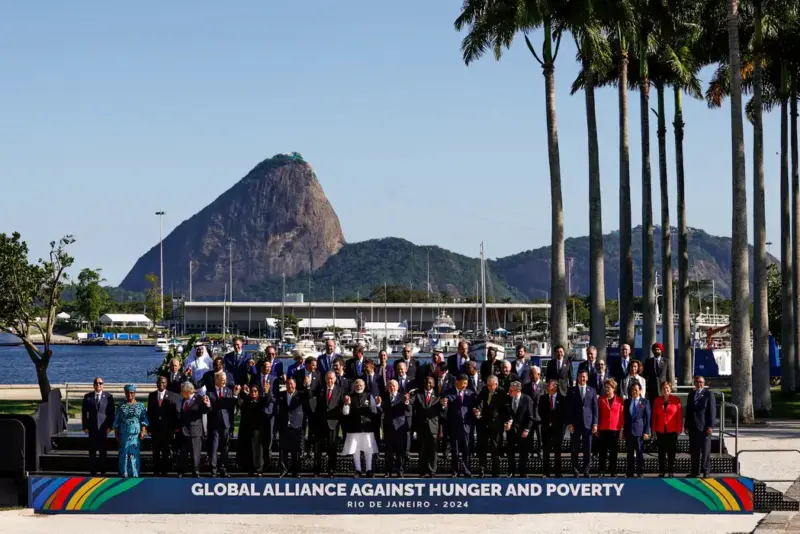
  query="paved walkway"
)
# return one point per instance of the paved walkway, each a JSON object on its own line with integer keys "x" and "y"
{"x": 779, "y": 523}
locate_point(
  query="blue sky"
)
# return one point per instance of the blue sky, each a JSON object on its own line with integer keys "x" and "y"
{"x": 114, "y": 110}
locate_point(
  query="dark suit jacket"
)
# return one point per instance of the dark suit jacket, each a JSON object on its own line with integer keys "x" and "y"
{"x": 452, "y": 365}
{"x": 372, "y": 384}
{"x": 473, "y": 387}
{"x": 618, "y": 372}
{"x": 592, "y": 370}
{"x": 524, "y": 374}
{"x": 505, "y": 381}
{"x": 444, "y": 385}
{"x": 426, "y": 416}
{"x": 702, "y": 414}
{"x": 351, "y": 371}
{"x": 316, "y": 381}
{"x": 163, "y": 419}
{"x": 598, "y": 382}
{"x": 494, "y": 414}
{"x": 191, "y": 419}
{"x": 208, "y": 381}
{"x": 522, "y": 418}
{"x": 582, "y": 412}
{"x": 489, "y": 368}
{"x": 412, "y": 368}
{"x": 409, "y": 384}
{"x": 325, "y": 362}
{"x": 639, "y": 424}
{"x": 289, "y": 415}
{"x": 239, "y": 369}
{"x": 174, "y": 381}
{"x": 655, "y": 375}
{"x": 345, "y": 383}
{"x": 329, "y": 414}
{"x": 97, "y": 419}
{"x": 553, "y": 419}
{"x": 396, "y": 415}
{"x": 541, "y": 389}
{"x": 459, "y": 416}
{"x": 564, "y": 376}
{"x": 222, "y": 409}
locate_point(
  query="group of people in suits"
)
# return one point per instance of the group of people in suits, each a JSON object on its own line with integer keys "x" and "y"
{"x": 454, "y": 406}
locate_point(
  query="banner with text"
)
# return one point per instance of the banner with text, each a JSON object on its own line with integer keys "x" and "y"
{"x": 88, "y": 495}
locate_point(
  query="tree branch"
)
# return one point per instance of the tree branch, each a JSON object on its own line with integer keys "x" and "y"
{"x": 533, "y": 50}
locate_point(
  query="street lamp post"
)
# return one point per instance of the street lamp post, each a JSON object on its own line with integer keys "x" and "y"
{"x": 230, "y": 265}
{"x": 161, "y": 247}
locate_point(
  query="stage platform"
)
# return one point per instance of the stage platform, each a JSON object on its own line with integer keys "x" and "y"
{"x": 305, "y": 496}
{"x": 70, "y": 455}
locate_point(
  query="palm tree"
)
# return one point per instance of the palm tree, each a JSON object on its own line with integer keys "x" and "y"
{"x": 742, "y": 366}
{"x": 493, "y": 24}
{"x": 788, "y": 382}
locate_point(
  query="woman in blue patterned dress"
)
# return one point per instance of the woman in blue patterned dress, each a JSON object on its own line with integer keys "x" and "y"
{"x": 130, "y": 424}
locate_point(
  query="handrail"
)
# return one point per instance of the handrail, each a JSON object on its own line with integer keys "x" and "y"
{"x": 721, "y": 414}
{"x": 735, "y": 429}
{"x": 739, "y": 453}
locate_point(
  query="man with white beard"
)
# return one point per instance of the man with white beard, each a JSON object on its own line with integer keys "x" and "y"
{"x": 359, "y": 409}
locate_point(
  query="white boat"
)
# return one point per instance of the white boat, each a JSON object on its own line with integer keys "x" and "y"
{"x": 578, "y": 351}
{"x": 443, "y": 334}
{"x": 288, "y": 336}
{"x": 346, "y": 337}
{"x": 479, "y": 349}
{"x": 326, "y": 335}
{"x": 305, "y": 348}
{"x": 162, "y": 345}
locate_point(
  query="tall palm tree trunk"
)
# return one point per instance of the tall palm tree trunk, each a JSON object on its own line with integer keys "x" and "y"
{"x": 626, "y": 323}
{"x": 787, "y": 277}
{"x": 597, "y": 276}
{"x": 761, "y": 393}
{"x": 667, "y": 321}
{"x": 648, "y": 267}
{"x": 742, "y": 358}
{"x": 795, "y": 215}
{"x": 558, "y": 286}
{"x": 685, "y": 330}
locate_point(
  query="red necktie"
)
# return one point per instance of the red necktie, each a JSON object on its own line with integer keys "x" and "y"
{"x": 428, "y": 397}
{"x": 186, "y": 406}
{"x": 159, "y": 401}
{"x": 330, "y": 393}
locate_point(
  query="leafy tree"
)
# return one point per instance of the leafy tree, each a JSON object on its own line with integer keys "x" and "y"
{"x": 289, "y": 321}
{"x": 90, "y": 296}
{"x": 152, "y": 298}
{"x": 29, "y": 291}
{"x": 775, "y": 302}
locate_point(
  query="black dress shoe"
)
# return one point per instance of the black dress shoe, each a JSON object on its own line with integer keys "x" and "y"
{"x": 467, "y": 474}
{"x": 179, "y": 475}
{"x": 482, "y": 473}
{"x": 453, "y": 474}
{"x": 387, "y": 475}
{"x": 195, "y": 475}
{"x": 213, "y": 474}
{"x": 224, "y": 474}
{"x": 427, "y": 475}
{"x": 400, "y": 475}
{"x": 357, "y": 474}
{"x": 284, "y": 474}
{"x": 369, "y": 474}
{"x": 329, "y": 475}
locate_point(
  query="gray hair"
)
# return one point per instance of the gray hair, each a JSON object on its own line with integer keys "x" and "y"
{"x": 330, "y": 373}
{"x": 175, "y": 360}
{"x": 536, "y": 368}
{"x": 491, "y": 379}
{"x": 394, "y": 382}
{"x": 357, "y": 382}
{"x": 515, "y": 385}
{"x": 187, "y": 387}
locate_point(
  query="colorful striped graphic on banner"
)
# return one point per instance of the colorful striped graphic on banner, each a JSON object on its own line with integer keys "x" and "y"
{"x": 717, "y": 494}
{"x": 77, "y": 493}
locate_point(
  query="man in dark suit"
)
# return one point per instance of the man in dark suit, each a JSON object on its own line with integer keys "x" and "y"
{"x": 552, "y": 410}
{"x": 559, "y": 368}
{"x": 590, "y": 366}
{"x": 327, "y": 419}
{"x": 404, "y": 382}
{"x": 620, "y": 368}
{"x": 190, "y": 429}
{"x": 598, "y": 379}
{"x": 271, "y": 355}
{"x": 97, "y": 419}
{"x": 326, "y": 359}
{"x": 341, "y": 380}
{"x": 459, "y": 417}
{"x": 518, "y": 429}
{"x": 521, "y": 367}
{"x": 238, "y": 363}
{"x": 700, "y": 420}
{"x": 582, "y": 423}
{"x": 208, "y": 381}
{"x": 427, "y": 416}
{"x": 222, "y": 404}
{"x": 474, "y": 381}
{"x": 290, "y": 406}
{"x": 535, "y": 389}
{"x": 431, "y": 368}
{"x": 267, "y": 385}
{"x": 175, "y": 377}
{"x": 396, "y": 410}
{"x": 457, "y": 363}
{"x": 412, "y": 365}
{"x": 490, "y": 414}
{"x": 162, "y": 414}
{"x": 506, "y": 375}
{"x": 309, "y": 382}
{"x": 445, "y": 382}
{"x": 491, "y": 365}
{"x": 354, "y": 367}
{"x": 656, "y": 371}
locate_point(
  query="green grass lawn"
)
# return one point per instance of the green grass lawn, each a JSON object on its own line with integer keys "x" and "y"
{"x": 28, "y": 407}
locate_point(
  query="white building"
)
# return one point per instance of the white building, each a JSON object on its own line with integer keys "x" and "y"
{"x": 381, "y": 330}
{"x": 126, "y": 319}
{"x": 318, "y": 323}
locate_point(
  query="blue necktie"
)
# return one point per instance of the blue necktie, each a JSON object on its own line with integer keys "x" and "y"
{"x": 633, "y": 409}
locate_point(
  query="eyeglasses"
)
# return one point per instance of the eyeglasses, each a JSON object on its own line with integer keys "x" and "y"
{"x": 98, "y": 383}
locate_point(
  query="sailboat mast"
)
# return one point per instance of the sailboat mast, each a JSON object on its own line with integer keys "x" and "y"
{"x": 483, "y": 292}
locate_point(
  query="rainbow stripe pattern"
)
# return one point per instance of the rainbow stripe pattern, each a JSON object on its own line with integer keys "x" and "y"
{"x": 76, "y": 494}
{"x": 717, "y": 494}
